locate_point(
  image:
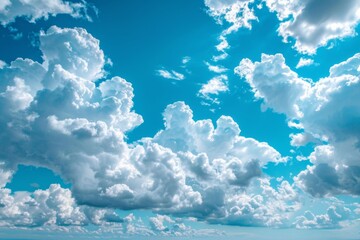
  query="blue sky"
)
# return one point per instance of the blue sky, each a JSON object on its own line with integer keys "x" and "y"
{"x": 207, "y": 119}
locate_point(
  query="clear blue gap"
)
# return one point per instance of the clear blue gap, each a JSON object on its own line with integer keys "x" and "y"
{"x": 30, "y": 178}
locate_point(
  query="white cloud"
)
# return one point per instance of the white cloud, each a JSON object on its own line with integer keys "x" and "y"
{"x": 78, "y": 52}
{"x": 238, "y": 14}
{"x": 5, "y": 175}
{"x": 2, "y": 64}
{"x": 223, "y": 45}
{"x": 34, "y": 10}
{"x": 304, "y": 62}
{"x": 69, "y": 124}
{"x": 185, "y": 60}
{"x": 183, "y": 134}
{"x": 315, "y": 23}
{"x": 233, "y": 15}
{"x": 170, "y": 74}
{"x": 274, "y": 82}
{"x": 220, "y": 57}
{"x": 214, "y": 86}
{"x": 332, "y": 219}
{"x": 54, "y": 206}
{"x": 216, "y": 68}
{"x": 327, "y": 112}
{"x": 301, "y": 139}
{"x": 310, "y": 23}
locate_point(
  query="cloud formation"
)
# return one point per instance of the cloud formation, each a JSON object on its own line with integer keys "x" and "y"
{"x": 310, "y": 24}
{"x": 58, "y": 115}
{"x": 34, "y": 10}
{"x": 214, "y": 87}
{"x": 239, "y": 14}
{"x": 314, "y": 23}
{"x": 325, "y": 110}
{"x": 303, "y": 62}
{"x": 216, "y": 68}
{"x": 170, "y": 74}
{"x": 332, "y": 219}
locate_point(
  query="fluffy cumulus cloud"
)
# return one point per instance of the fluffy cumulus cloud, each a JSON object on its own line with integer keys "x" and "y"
{"x": 326, "y": 111}
{"x": 34, "y": 10}
{"x": 54, "y": 206}
{"x": 58, "y": 114}
{"x": 274, "y": 82}
{"x": 313, "y": 23}
{"x": 333, "y": 218}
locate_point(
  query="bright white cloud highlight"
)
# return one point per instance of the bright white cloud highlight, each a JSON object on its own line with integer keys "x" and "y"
{"x": 216, "y": 68}
{"x": 34, "y": 10}
{"x": 314, "y": 23}
{"x": 309, "y": 23}
{"x": 239, "y": 14}
{"x": 214, "y": 87}
{"x": 303, "y": 62}
{"x": 274, "y": 82}
{"x": 185, "y": 60}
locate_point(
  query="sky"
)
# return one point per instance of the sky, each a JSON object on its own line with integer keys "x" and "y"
{"x": 182, "y": 119}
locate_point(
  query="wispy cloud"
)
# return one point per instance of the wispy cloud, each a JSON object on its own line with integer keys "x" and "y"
{"x": 170, "y": 74}
{"x": 186, "y": 59}
{"x": 214, "y": 87}
{"x": 216, "y": 68}
{"x": 304, "y": 62}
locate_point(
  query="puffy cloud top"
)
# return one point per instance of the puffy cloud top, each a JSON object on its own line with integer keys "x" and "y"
{"x": 316, "y": 22}
{"x": 61, "y": 120}
{"x": 77, "y": 51}
{"x": 326, "y": 111}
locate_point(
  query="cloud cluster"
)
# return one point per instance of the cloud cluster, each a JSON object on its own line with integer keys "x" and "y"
{"x": 332, "y": 219}
{"x": 310, "y": 23}
{"x": 54, "y": 206}
{"x": 274, "y": 82}
{"x": 233, "y": 14}
{"x": 34, "y": 10}
{"x": 60, "y": 114}
{"x": 314, "y": 23}
{"x": 237, "y": 13}
{"x": 326, "y": 111}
